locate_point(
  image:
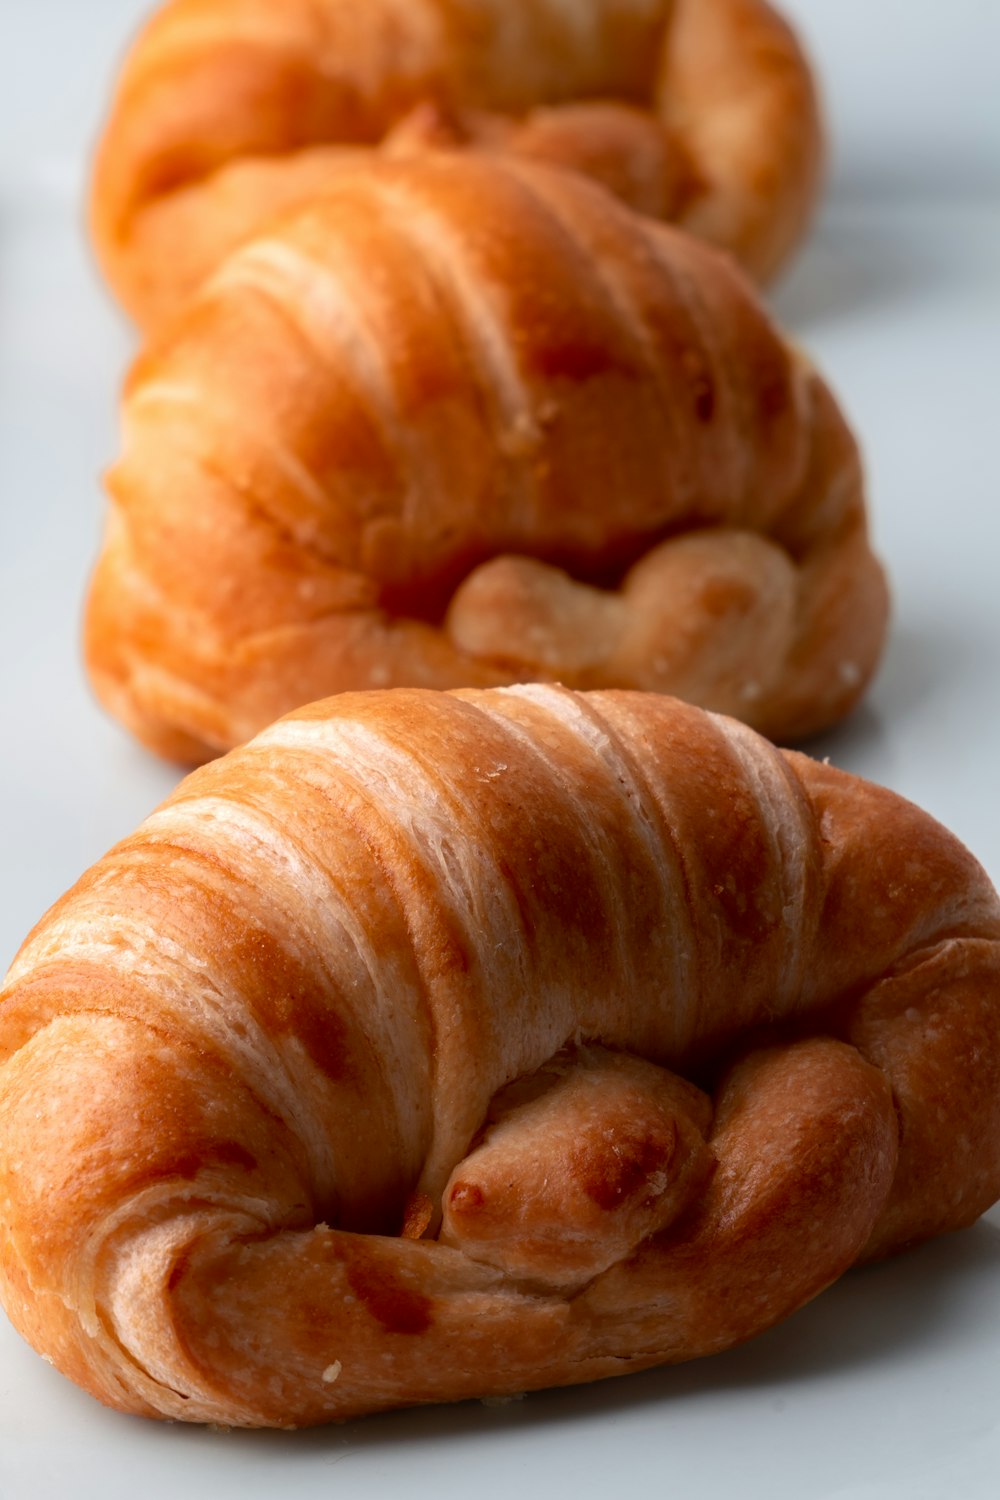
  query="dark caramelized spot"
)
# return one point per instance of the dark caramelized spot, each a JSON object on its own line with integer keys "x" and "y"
{"x": 577, "y": 360}
{"x": 771, "y": 386}
{"x": 322, "y": 1034}
{"x": 396, "y": 1307}
{"x": 722, "y": 597}
{"x": 226, "y": 1154}
{"x": 704, "y": 400}
{"x": 466, "y": 1197}
{"x": 701, "y": 384}
{"x": 614, "y": 1172}
{"x": 293, "y": 1004}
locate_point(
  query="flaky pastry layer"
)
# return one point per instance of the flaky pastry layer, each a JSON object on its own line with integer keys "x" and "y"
{"x": 465, "y": 423}
{"x": 702, "y": 112}
{"x": 449, "y": 1045}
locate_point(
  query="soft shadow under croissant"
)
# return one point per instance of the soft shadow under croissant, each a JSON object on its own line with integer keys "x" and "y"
{"x": 450, "y": 1045}
{"x": 461, "y": 424}
{"x": 701, "y": 112}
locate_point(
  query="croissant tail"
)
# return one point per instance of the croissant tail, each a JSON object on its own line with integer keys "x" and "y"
{"x": 946, "y": 1178}
{"x": 806, "y": 1142}
{"x": 806, "y": 1146}
{"x": 212, "y": 1304}
{"x": 756, "y": 152}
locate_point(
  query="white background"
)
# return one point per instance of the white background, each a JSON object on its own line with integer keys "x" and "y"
{"x": 887, "y": 1388}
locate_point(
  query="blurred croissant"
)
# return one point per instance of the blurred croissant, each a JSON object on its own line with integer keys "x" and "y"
{"x": 698, "y": 111}
{"x": 461, "y": 424}
{"x": 449, "y": 1045}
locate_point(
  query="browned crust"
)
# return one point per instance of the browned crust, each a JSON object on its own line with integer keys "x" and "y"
{"x": 464, "y": 424}
{"x": 703, "y": 112}
{"x": 663, "y": 1028}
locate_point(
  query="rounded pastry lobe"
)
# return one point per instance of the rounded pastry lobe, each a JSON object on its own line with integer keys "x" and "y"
{"x": 699, "y": 112}
{"x": 447, "y": 1045}
{"x": 465, "y": 424}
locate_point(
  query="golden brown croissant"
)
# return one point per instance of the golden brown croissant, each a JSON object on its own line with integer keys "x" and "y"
{"x": 446, "y": 1045}
{"x": 699, "y": 111}
{"x": 460, "y": 424}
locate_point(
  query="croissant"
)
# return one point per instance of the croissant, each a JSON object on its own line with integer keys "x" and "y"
{"x": 466, "y": 424}
{"x": 449, "y": 1045}
{"x": 699, "y": 111}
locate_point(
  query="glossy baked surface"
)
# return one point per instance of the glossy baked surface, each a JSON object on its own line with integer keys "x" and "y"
{"x": 902, "y": 1357}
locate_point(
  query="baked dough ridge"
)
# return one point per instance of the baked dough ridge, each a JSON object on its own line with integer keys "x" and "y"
{"x": 447, "y": 1045}
{"x": 465, "y": 424}
{"x": 701, "y": 112}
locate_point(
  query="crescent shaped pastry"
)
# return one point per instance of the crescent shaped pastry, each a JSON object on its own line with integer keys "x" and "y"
{"x": 461, "y": 424}
{"x": 450, "y": 1045}
{"x": 702, "y": 112}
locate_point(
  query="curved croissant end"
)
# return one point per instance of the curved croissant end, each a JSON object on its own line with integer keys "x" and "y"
{"x": 447, "y": 1045}
{"x": 460, "y": 425}
{"x": 701, "y": 112}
